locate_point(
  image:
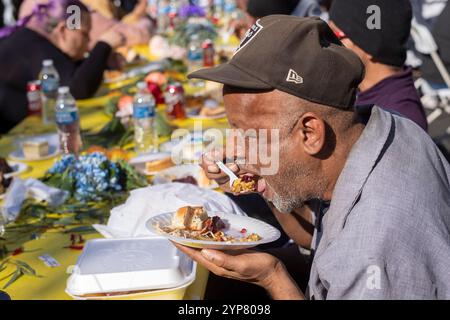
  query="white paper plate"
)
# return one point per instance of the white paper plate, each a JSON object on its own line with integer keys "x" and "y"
{"x": 18, "y": 168}
{"x": 218, "y": 116}
{"x": 234, "y": 225}
{"x": 139, "y": 71}
{"x": 53, "y": 147}
{"x": 18, "y": 155}
{"x": 139, "y": 162}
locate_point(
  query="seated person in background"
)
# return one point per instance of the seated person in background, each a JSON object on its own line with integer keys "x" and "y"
{"x": 45, "y": 35}
{"x": 387, "y": 82}
{"x": 135, "y": 26}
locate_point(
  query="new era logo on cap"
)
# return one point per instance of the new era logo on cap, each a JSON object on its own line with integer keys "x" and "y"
{"x": 294, "y": 77}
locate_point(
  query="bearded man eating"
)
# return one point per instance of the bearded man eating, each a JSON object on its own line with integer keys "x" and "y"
{"x": 381, "y": 186}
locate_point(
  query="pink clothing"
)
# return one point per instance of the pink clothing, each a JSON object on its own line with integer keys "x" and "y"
{"x": 138, "y": 33}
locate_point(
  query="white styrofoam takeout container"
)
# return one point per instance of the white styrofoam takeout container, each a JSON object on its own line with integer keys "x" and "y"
{"x": 128, "y": 265}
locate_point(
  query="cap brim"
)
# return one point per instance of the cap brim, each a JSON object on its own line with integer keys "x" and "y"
{"x": 230, "y": 75}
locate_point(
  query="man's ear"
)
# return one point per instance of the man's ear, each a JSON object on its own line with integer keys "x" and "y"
{"x": 312, "y": 130}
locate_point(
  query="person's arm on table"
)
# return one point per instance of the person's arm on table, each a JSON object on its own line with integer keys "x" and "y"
{"x": 255, "y": 267}
{"x": 89, "y": 75}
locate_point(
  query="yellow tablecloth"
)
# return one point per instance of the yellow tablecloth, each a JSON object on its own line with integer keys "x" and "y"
{"x": 52, "y": 284}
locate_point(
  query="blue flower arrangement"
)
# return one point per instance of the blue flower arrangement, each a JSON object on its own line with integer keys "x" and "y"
{"x": 93, "y": 176}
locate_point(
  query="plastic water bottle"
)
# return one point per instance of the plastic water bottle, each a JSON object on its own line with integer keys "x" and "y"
{"x": 229, "y": 6}
{"x": 195, "y": 52}
{"x": 49, "y": 85}
{"x": 68, "y": 122}
{"x": 218, "y": 8}
{"x": 163, "y": 20}
{"x": 145, "y": 134}
{"x": 195, "y": 58}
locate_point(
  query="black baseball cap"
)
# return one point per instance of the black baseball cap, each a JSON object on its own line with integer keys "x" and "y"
{"x": 388, "y": 43}
{"x": 300, "y": 56}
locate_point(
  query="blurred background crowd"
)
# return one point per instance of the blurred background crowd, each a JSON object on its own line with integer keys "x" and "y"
{"x": 407, "y": 61}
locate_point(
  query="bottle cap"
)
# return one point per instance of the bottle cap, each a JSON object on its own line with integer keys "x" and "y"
{"x": 47, "y": 63}
{"x": 63, "y": 90}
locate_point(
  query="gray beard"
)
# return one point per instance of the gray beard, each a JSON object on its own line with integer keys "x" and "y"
{"x": 286, "y": 205}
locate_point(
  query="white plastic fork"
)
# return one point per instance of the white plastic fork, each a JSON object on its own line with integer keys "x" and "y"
{"x": 229, "y": 173}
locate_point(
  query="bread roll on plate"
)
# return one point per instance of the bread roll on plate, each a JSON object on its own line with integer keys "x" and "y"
{"x": 190, "y": 218}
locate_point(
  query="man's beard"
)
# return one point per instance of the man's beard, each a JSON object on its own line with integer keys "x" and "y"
{"x": 287, "y": 204}
{"x": 288, "y": 196}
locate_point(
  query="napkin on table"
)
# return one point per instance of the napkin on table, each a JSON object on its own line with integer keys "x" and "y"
{"x": 19, "y": 190}
{"x": 128, "y": 220}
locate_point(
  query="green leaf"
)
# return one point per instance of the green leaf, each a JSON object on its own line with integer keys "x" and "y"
{"x": 17, "y": 274}
{"x": 9, "y": 275}
{"x": 3, "y": 264}
{"x": 108, "y": 137}
{"x": 3, "y": 252}
{"x": 134, "y": 179}
{"x": 25, "y": 267}
{"x": 81, "y": 230}
{"x": 67, "y": 181}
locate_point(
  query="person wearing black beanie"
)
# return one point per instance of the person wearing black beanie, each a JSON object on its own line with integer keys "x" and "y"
{"x": 262, "y": 8}
{"x": 377, "y": 31}
{"x": 300, "y": 8}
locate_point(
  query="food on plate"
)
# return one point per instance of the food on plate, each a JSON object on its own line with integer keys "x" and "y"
{"x": 187, "y": 179}
{"x": 125, "y": 106}
{"x": 93, "y": 149}
{"x": 111, "y": 75}
{"x": 212, "y": 112}
{"x": 157, "y": 77}
{"x": 194, "y": 223}
{"x": 197, "y": 178}
{"x": 129, "y": 54}
{"x": 114, "y": 154}
{"x": 205, "y": 107}
{"x": 4, "y": 169}
{"x": 244, "y": 184}
{"x": 37, "y": 148}
{"x": 203, "y": 180}
{"x": 190, "y": 218}
{"x": 4, "y": 166}
{"x": 158, "y": 165}
{"x": 195, "y": 102}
